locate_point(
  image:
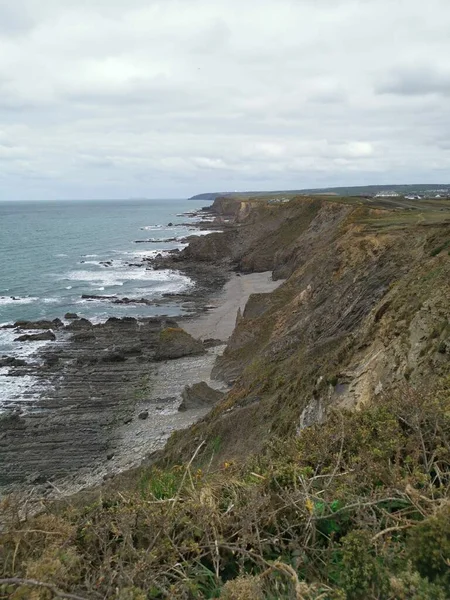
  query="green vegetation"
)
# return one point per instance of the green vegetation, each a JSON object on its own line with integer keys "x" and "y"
{"x": 356, "y": 508}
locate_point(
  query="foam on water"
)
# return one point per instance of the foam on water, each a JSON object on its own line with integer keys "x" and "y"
{"x": 4, "y": 300}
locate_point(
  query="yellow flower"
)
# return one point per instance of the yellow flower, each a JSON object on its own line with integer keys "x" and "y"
{"x": 309, "y": 506}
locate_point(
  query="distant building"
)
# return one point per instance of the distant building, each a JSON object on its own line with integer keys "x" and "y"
{"x": 387, "y": 194}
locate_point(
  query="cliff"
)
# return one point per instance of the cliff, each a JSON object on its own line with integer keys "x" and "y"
{"x": 325, "y": 472}
{"x": 363, "y": 310}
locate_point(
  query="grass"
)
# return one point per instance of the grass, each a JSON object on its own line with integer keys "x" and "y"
{"x": 355, "y": 508}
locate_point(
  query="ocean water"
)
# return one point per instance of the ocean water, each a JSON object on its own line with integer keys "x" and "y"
{"x": 53, "y": 252}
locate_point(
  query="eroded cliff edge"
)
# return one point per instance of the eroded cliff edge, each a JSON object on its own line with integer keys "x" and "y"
{"x": 364, "y": 308}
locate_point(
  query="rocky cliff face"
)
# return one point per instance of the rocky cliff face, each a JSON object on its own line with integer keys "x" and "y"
{"x": 364, "y": 309}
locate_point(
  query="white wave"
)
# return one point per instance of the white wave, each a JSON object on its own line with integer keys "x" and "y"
{"x": 89, "y": 256}
{"x": 160, "y": 240}
{"x": 61, "y": 255}
{"x": 50, "y": 300}
{"x": 152, "y": 227}
{"x": 199, "y": 232}
{"x": 118, "y": 277}
{"x": 69, "y": 287}
{"x": 17, "y": 349}
{"x": 5, "y": 300}
{"x": 17, "y": 390}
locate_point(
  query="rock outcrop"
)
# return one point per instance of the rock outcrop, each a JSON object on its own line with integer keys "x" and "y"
{"x": 200, "y": 395}
{"x": 174, "y": 342}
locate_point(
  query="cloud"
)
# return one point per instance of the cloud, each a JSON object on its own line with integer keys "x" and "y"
{"x": 101, "y": 98}
{"x": 416, "y": 81}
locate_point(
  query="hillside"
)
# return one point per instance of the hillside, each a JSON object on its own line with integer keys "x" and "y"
{"x": 424, "y": 189}
{"x": 325, "y": 471}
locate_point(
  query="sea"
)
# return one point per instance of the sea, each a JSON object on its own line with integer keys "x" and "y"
{"x": 53, "y": 252}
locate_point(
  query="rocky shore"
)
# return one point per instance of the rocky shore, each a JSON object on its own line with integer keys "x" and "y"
{"x": 110, "y": 394}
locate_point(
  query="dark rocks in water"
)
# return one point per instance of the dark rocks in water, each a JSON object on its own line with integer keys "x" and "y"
{"x": 128, "y": 321}
{"x": 43, "y": 324}
{"x": 11, "y": 361}
{"x": 37, "y": 337}
{"x": 174, "y": 342}
{"x": 199, "y": 395}
{"x": 78, "y": 324}
{"x": 169, "y": 224}
{"x": 132, "y": 301}
{"x": 96, "y": 297}
{"x": 71, "y": 316}
{"x": 143, "y": 415}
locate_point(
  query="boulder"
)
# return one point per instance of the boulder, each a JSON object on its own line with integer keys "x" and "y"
{"x": 143, "y": 415}
{"x": 78, "y": 324}
{"x": 199, "y": 395}
{"x": 174, "y": 342}
{"x": 70, "y": 316}
{"x": 37, "y": 337}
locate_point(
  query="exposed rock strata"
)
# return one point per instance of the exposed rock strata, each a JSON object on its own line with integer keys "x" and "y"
{"x": 94, "y": 377}
{"x": 364, "y": 311}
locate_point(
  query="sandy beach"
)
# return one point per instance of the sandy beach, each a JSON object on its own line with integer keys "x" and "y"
{"x": 220, "y": 320}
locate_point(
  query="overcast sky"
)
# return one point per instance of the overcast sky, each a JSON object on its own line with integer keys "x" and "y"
{"x": 117, "y": 99}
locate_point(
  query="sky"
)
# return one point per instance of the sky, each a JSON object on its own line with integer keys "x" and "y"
{"x": 147, "y": 98}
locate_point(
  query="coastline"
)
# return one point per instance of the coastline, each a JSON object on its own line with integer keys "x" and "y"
{"x": 102, "y": 434}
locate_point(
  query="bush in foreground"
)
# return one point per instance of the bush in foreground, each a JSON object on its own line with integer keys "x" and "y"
{"x": 355, "y": 508}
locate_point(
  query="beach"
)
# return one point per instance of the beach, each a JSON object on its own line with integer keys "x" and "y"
{"x": 97, "y": 381}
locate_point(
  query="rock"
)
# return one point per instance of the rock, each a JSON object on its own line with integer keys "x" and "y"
{"x": 71, "y": 316}
{"x": 127, "y": 420}
{"x": 110, "y": 455}
{"x": 169, "y": 224}
{"x": 83, "y": 336}
{"x": 11, "y": 361}
{"x": 174, "y": 342}
{"x": 36, "y": 479}
{"x": 199, "y": 395}
{"x": 143, "y": 415}
{"x": 96, "y": 297}
{"x": 43, "y": 324}
{"x": 51, "y": 360}
{"x": 37, "y": 337}
{"x": 113, "y": 357}
{"x": 78, "y": 324}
